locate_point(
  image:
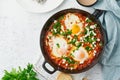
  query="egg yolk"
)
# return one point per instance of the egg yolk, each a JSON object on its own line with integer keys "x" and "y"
{"x": 82, "y": 55}
{"x": 75, "y": 29}
{"x": 61, "y": 51}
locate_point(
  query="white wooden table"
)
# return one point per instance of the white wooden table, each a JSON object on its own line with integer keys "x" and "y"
{"x": 19, "y": 38}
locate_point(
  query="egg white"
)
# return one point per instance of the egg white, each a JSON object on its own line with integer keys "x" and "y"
{"x": 78, "y": 52}
{"x": 62, "y": 49}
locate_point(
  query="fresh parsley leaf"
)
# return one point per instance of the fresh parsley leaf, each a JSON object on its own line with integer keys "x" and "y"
{"x": 89, "y": 39}
{"x": 95, "y": 25}
{"x": 88, "y": 20}
{"x": 75, "y": 38}
{"x": 61, "y": 18}
{"x": 88, "y": 48}
{"x": 91, "y": 34}
{"x": 56, "y": 25}
{"x": 69, "y": 60}
{"x": 79, "y": 44}
{"x": 73, "y": 41}
{"x": 72, "y": 55}
{"x": 85, "y": 31}
{"x": 67, "y": 32}
{"x": 58, "y": 45}
{"x": 88, "y": 26}
{"x": 95, "y": 39}
{"x": 21, "y": 74}
{"x": 86, "y": 39}
{"x": 56, "y": 28}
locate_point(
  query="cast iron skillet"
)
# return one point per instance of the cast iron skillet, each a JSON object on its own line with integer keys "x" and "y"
{"x": 94, "y": 17}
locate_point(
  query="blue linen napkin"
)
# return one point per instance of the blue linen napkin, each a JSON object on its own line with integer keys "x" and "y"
{"x": 111, "y": 23}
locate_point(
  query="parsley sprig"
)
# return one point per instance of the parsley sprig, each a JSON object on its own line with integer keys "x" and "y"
{"x": 25, "y": 74}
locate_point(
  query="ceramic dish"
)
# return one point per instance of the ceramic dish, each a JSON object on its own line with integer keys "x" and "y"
{"x": 35, "y": 7}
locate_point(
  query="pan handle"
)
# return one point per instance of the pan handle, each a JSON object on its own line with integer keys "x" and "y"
{"x": 46, "y": 69}
{"x": 97, "y": 13}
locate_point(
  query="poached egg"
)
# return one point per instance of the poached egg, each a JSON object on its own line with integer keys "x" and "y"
{"x": 59, "y": 46}
{"x": 73, "y": 22}
{"x": 80, "y": 55}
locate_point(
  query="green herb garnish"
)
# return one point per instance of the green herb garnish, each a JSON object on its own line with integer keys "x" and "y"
{"x": 25, "y": 74}
{"x": 88, "y": 26}
{"x": 88, "y": 20}
{"x": 72, "y": 55}
{"x": 56, "y": 28}
{"x": 69, "y": 60}
{"x": 89, "y": 39}
{"x": 79, "y": 44}
{"x": 86, "y": 39}
{"x": 88, "y": 48}
{"x": 61, "y": 18}
{"x": 67, "y": 32}
{"x": 95, "y": 39}
{"x": 85, "y": 31}
{"x": 95, "y": 25}
{"x": 58, "y": 45}
{"x": 73, "y": 41}
{"x": 91, "y": 34}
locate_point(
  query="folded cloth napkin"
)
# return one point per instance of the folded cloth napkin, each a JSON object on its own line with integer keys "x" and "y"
{"x": 111, "y": 23}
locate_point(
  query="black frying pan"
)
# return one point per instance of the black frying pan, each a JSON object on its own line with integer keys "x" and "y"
{"x": 94, "y": 17}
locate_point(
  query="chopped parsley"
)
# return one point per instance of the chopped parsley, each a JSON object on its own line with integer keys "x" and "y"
{"x": 95, "y": 25}
{"x": 91, "y": 34}
{"x": 67, "y": 32}
{"x": 72, "y": 55}
{"x": 88, "y": 48}
{"x": 61, "y": 18}
{"x": 94, "y": 39}
{"x": 69, "y": 60}
{"x": 56, "y": 28}
{"x": 87, "y": 39}
{"x": 85, "y": 31}
{"x": 90, "y": 39}
{"x": 88, "y": 20}
{"x": 88, "y": 26}
{"x": 79, "y": 44}
{"x": 58, "y": 45}
{"x": 73, "y": 41}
